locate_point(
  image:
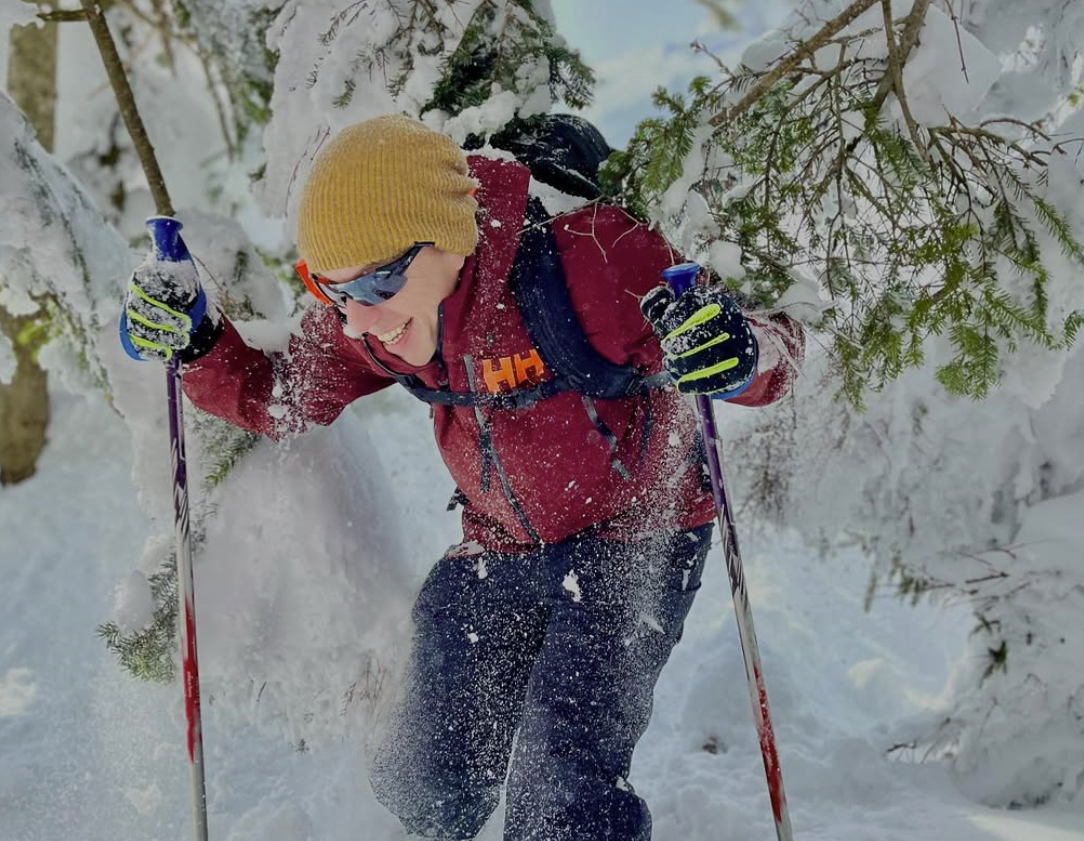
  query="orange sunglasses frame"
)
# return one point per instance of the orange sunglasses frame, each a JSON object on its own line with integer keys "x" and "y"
{"x": 311, "y": 284}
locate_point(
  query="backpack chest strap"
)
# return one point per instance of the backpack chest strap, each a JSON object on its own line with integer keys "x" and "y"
{"x": 519, "y": 399}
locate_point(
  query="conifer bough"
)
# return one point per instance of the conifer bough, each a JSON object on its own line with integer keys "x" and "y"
{"x": 911, "y": 229}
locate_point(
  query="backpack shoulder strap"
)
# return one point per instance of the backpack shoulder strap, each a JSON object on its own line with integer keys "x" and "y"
{"x": 540, "y": 289}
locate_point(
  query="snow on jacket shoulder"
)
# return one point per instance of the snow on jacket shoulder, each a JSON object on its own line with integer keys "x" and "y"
{"x": 277, "y": 394}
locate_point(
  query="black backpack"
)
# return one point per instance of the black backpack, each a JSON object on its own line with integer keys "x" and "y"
{"x": 561, "y": 150}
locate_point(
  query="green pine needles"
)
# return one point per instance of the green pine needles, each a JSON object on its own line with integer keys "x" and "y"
{"x": 148, "y": 653}
{"x": 499, "y": 48}
{"x": 505, "y": 45}
{"x": 913, "y": 231}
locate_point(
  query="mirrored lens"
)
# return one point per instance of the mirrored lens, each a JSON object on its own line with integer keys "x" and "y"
{"x": 376, "y": 286}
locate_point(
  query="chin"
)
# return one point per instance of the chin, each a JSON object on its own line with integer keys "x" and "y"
{"x": 418, "y": 358}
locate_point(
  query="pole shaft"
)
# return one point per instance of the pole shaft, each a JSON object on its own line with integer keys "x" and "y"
{"x": 186, "y": 598}
{"x": 118, "y": 79}
{"x": 754, "y": 675}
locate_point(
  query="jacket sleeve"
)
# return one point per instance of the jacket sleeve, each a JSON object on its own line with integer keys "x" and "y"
{"x": 781, "y": 350}
{"x": 611, "y": 261}
{"x": 279, "y": 394}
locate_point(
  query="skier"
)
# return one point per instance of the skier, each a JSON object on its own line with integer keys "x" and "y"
{"x": 586, "y": 517}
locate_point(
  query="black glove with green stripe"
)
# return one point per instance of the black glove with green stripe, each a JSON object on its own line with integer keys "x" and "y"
{"x": 167, "y": 313}
{"x": 708, "y": 345}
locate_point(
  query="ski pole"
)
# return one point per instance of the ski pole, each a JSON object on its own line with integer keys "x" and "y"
{"x": 681, "y": 278}
{"x": 169, "y": 247}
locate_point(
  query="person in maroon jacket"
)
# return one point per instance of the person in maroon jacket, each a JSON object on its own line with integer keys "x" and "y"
{"x": 586, "y": 518}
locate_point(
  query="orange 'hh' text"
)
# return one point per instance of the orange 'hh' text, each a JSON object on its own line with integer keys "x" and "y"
{"x": 508, "y": 372}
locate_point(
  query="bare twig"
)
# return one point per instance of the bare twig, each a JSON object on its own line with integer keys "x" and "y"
{"x": 128, "y": 109}
{"x": 896, "y": 74}
{"x": 164, "y": 26}
{"x": 62, "y": 16}
{"x": 911, "y": 30}
{"x": 325, "y": 133}
{"x": 220, "y": 109}
{"x": 959, "y": 40}
{"x": 1034, "y": 129}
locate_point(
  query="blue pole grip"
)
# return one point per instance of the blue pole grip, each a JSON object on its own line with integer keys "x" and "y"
{"x": 166, "y": 234}
{"x": 681, "y": 277}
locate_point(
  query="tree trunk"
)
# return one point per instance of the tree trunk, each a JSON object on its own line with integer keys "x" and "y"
{"x": 24, "y": 403}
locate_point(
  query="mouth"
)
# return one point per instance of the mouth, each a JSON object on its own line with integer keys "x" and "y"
{"x": 394, "y": 336}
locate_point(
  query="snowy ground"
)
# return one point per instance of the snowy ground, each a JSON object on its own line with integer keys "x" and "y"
{"x": 87, "y": 754}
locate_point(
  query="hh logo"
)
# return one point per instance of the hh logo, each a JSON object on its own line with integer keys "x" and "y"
{"x": 508, "y": 372}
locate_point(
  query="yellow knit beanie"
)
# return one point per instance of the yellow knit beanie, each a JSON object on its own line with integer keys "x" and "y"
{"x": 379, "y": 187}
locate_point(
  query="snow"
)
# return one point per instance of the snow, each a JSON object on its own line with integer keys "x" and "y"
{"x": 8, "y": 362}
{"x": 771, "y": 46}
{"x": 53, "y": 240}
{"x": 158, "y": 279}
{"x": 315, "y": 547}
{"x": 725, "y": 259}
{"x": 16, "y": 301}
{"x": 92, "y": 754}
{"x": 133, "y": 603}
{"x": 934, "y": 77}
{"x": 571, "y": 584}
{"x": 17, "y": 692}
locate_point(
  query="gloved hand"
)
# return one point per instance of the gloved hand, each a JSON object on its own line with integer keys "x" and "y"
{"x": 166, "y": 313}
{"x": 708, "y": 346}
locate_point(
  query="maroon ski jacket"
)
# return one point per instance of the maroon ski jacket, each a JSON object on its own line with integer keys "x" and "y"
{"x": 545, "y": 472}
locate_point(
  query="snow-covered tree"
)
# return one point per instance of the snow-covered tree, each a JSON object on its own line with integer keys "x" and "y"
{"x": 906, "y": 177}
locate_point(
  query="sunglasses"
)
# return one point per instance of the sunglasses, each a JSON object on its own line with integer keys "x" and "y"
{"x": 371, "y": 289}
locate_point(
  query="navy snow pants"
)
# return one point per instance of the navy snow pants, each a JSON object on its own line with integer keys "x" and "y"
{"x": 559, "y": 648}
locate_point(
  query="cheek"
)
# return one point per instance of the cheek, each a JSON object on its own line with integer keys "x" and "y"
{"x": 414, "y": 304}
{"x": 359, "y": 319}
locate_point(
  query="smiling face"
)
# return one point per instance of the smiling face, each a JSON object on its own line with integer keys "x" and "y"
{"x": 406, "y": 324}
